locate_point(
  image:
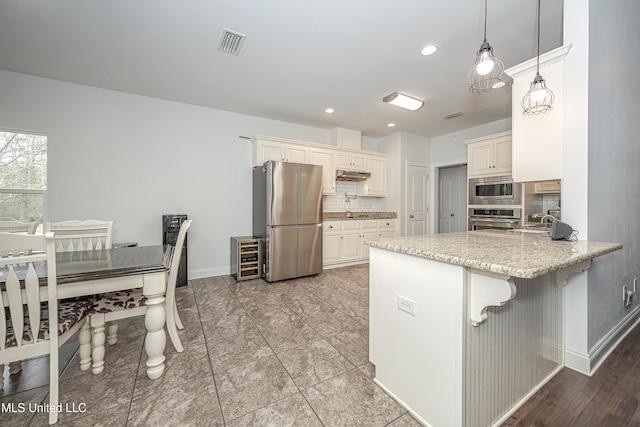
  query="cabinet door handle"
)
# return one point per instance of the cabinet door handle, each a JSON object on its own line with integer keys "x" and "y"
{"x": 331, "y": 226}
{"x": 410, "y": 216}
{"x": 452, "y": 214}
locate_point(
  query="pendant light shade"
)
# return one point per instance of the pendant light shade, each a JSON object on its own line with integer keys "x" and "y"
{"x": 486, "y": 72}
{"x": 539, "y": 97}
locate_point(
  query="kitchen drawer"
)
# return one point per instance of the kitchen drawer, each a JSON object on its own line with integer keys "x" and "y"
{"x": 328, "y": 226}
{"x": 387, "y": 223}
{"x": 369, "y": 224}
{"x": 351, "y": 224}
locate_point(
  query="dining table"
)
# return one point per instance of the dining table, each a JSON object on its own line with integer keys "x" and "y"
{"x": 85, "y": 273}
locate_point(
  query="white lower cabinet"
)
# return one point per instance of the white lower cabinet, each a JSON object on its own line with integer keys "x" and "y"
{"x": 351, "y": 245}
{"x": 343, "y": 242}
{"x": 331, "y": 247}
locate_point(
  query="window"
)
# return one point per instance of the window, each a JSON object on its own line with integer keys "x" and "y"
{"x": 23, "y": 176}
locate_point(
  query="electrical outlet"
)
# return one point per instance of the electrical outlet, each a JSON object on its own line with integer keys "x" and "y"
{"x": 407, "y": 305}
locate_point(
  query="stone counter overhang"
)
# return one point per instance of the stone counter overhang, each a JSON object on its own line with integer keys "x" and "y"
{"x": 515, "y": 254}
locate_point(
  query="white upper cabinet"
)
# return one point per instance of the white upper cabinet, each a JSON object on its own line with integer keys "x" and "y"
{"x": 351, "y": 161}
{"x": 553, "y": 186}
{"x": 489, "y": 156}
{"x": 538, "y": 139}
{"x": 279, "y": 151}
{"x": 376, "y": 185}
{"x": 325, "y": 158}
{"x": 266, "y": 148}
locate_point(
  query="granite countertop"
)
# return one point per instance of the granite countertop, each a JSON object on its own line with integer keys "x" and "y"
{"x": 342, "y": 216}
{"x": 525, "y": 255}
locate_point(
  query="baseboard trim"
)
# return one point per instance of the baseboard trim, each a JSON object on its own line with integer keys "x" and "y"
{"x": 588, "y": 364}
{"x": 208, "y": 272}
{"x": 401, "y": 403}
{"x": 344, "y": 264}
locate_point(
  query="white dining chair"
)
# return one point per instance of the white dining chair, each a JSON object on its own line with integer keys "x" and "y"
{"x": 75, "y": 235}
{"x": 30, "y": 312}
{"x": 12, "y": 226}
{"x": 83, "y": 235}
{"x": 124, "y": 304}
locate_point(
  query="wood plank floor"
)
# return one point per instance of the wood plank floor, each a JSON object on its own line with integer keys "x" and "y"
{"x": 608, "y": 399}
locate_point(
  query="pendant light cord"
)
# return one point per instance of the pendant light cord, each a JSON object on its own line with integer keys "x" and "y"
{"x": 538, "y": 57}
{"x": 485, "y": 20}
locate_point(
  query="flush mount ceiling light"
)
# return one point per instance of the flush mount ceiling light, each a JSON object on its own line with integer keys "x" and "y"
{"x": 486, "y": 72}
{"x": 390, "y": 125}
{"x": 403, "y": 101}
{"x": 539, "y": 98}
{"x": 329, "y": 110}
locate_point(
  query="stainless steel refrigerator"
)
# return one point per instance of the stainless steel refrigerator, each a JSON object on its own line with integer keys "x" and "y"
{"x": 287, "y": 214}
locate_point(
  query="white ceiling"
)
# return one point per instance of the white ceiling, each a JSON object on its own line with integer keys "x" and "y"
{"x": 299, "y": 57}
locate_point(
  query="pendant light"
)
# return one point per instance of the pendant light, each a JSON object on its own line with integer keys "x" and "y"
{"x": 539, "y": 98}
{"x": 486, "y": 72}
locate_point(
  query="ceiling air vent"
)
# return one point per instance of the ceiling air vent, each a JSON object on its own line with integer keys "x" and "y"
{"x": 451, "y": 115}
{"x": 231, "y": 41}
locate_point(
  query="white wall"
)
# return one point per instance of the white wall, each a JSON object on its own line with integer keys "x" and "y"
{"x": 129, "y": 158}
{"x": 400, "y": 148}
{"x": 451, "y": 146}
{"x": 600, "y": 174}
{"x": 614, "y": 151}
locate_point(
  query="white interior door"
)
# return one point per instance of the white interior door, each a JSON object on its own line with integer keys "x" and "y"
{"x": 452, "y": 199}
{"x": 417, "y": 176}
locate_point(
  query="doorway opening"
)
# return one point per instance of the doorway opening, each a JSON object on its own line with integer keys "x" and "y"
{"x": 452, "y": 199}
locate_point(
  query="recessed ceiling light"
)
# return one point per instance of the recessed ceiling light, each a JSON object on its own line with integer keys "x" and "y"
{"x": 329, "y": 110}
{"x": 403, "y": 101}
{"x": 429, "y": 50}
{"x": 390, "y": 125}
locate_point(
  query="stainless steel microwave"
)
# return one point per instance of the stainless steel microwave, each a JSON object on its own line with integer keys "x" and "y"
{"x": 494, "y": 190}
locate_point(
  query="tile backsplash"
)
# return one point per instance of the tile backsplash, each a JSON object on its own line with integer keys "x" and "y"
{"x": 543, "y": 202}
{"x": 357, "y": 204}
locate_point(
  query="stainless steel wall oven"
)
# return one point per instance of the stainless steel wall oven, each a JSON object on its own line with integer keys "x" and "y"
{"x": 494, "y": 218}
{"x": 494, "y": 190}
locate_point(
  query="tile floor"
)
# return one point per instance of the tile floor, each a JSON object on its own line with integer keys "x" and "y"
{"x": 292, "y": 353}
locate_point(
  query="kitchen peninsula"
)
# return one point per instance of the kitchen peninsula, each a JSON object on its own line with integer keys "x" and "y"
{"x": 464, "y": 327}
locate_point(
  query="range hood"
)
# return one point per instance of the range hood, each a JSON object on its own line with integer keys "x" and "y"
{"x": 342, "y": 175}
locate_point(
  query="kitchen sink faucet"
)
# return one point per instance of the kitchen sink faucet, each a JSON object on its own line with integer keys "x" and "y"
{"x": 543, "y": 216}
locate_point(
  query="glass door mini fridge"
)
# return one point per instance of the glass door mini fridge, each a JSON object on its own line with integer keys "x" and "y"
{"x": 246, "y": 259}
